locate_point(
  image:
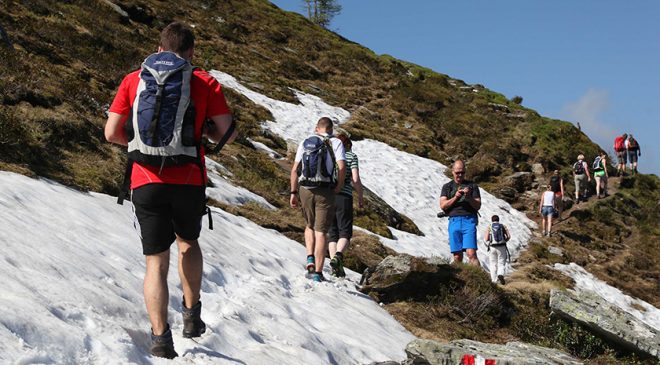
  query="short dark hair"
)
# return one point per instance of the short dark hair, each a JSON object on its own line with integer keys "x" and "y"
{"x": 495, "y": 218}
{"x": 177, "y": 38}
{"x": 347, "y": 144}
{"x": 324, "y": 123}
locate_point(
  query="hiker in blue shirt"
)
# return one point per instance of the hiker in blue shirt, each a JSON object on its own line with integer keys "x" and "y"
{"x": 461, "y": 200}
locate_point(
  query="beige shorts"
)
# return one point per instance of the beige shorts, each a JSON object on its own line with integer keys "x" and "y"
{"x": 580, "y": 183}
{"x": 318, "y": 206}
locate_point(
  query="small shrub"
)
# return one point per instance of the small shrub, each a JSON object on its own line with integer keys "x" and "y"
{"x": 517, "y": 99}
{"x": 577, "y": 341}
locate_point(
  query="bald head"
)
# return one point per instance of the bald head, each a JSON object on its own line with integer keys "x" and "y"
{"x": 458, "y": 171}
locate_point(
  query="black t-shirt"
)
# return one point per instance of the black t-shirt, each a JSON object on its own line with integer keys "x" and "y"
{"x": 555, "y": 183}
{"x": 461, "y": 207}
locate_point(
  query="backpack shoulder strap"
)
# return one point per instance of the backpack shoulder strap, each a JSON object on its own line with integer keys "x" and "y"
{"x": 126, "y": 185}
{"x": 225, "y": 137}
{"x": 331, "y": 151}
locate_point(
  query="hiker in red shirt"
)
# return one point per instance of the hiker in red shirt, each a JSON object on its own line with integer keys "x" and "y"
{"x": 168, "y": 196}
{"x": 621, "y": 155}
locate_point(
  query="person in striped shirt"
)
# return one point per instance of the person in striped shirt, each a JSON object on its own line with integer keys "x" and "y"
{"x": 341, "y": 230}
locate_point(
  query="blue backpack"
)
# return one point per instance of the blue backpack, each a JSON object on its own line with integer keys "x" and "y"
{"x": 497, "y": 233}
{"x": 314, "y": 172}
{"x": 161, "y": 126}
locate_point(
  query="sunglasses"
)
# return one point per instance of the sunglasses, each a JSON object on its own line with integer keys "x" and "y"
{"x": 459, "y": 172}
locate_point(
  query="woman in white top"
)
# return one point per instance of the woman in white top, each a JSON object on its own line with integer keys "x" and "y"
{"x": 547, "y": 209}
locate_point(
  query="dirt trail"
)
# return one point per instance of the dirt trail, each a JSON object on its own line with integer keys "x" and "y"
{"x": 528, "y": 263}
{"x": 612, "y": 189}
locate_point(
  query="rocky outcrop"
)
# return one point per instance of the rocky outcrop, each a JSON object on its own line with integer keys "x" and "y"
{"x": 538, "y": 169}
{"x": 428, "y": 352}
{"x": 513, "y": 353}
{"x": 405, "y": 277}
{"x": 606, "y": 320}
{"x": 521, "y": 181}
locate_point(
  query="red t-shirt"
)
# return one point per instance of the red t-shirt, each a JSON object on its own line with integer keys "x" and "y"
{"x": 206, "y": 92}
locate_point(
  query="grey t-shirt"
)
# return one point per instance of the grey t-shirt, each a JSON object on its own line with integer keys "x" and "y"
{"x": 461, "y": 207}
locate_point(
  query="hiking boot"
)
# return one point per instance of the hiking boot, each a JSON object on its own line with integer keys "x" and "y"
{"x": 310, "y": 267}
{"x": 193, "y": 326}
{"x": 500, "y": 279}
{"x": 163, "y": 346}
{"x": 337, "y": 264}
{"x": 317, "y": 277}
{"x": 333, "y": 264}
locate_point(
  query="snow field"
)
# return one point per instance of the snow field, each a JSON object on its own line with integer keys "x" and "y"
{"x": 73, "y": 268}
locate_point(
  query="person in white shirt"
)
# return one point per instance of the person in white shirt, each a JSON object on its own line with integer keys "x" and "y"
{"x": 497, "y": 235}
{"x": 317, "y": 158}
{"x": 547, "y": 209}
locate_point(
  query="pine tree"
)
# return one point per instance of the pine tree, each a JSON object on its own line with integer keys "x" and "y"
{"x": 321, "y": 12}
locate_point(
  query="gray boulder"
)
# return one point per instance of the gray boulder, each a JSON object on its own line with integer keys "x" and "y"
{"x": 427, "y": 352}
{"x": 405, "y": 277}
{"x": 538, "y": 169}
{"x": 606, "y": 320}
{"x": 117, "y": 9}
{"x": 555, "y": 250}
{"x": 521, "y": 181}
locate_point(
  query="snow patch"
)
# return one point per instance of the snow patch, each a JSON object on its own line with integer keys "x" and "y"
{"x": 72, "y": 270}
{"x": 293, "y": 122}
{"x": 224, "y": 192}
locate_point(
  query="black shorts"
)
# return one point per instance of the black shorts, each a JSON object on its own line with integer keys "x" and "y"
{"x": 163, "y": 210}
{"x": 342, "y": 223}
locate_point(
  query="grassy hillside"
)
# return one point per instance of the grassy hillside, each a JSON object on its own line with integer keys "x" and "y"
{"x": 69, "y": 57}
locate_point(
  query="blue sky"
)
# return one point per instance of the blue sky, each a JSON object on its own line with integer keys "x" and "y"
{"x": 593, "y": 62}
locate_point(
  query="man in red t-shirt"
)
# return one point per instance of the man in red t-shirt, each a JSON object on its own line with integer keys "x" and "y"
{"x": 170, "y": 201}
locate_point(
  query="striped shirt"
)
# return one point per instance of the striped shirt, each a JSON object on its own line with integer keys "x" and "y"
{"x": 351, "y": 163}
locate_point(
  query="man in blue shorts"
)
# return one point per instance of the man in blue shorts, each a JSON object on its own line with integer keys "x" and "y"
{"x": 460, "y": 200}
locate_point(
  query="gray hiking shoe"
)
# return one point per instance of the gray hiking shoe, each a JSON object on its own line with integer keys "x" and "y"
{"x": 193, "y": 326}
{"x": 163, "y": 346}
{"x": 337, "y": 265}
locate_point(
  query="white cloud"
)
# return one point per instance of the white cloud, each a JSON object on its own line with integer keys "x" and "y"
{"x": 587, "y": 111}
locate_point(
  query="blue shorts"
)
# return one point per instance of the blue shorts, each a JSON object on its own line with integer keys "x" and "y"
{"x": 462, "y": 233}
{"x": 547, "y": 210}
